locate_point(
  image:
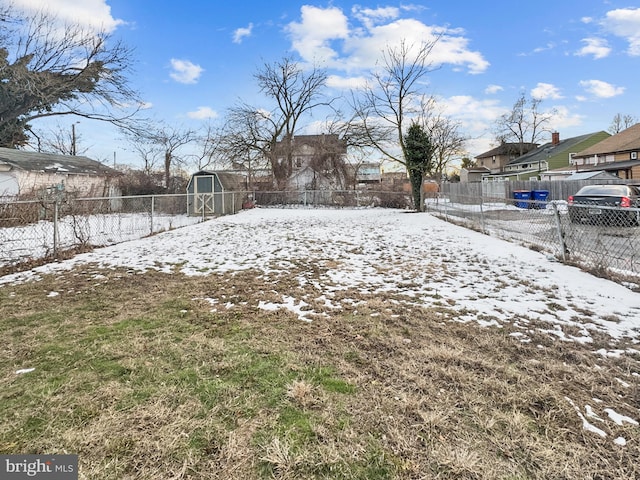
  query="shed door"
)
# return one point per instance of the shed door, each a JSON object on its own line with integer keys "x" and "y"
{"x": 203, "y": 195}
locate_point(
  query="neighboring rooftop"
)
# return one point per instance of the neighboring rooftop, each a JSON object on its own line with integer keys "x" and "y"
{"x": 625, "y": 141}
{"x": 52, "y": 163}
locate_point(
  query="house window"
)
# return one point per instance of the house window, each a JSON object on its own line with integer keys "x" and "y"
{"x": 298, "y": 162}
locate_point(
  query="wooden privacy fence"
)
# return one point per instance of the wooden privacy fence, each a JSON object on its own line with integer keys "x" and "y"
{"x": 558, "y": 189}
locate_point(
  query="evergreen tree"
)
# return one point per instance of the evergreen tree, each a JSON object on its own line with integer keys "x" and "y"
{"x": 418, "y": 154}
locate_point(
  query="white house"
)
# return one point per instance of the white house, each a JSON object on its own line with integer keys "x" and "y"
{"x": 26, "y": 173}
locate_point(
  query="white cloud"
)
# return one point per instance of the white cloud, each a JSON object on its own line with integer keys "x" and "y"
{"x": 544, "y": 91}
{"x": 312, "y": 36}
{"x": 601, "y": 89}
{"x": 468, "y": 109}
{"x": 94, "y": 14}
{"x": 491, "y": 89}
{"x": 369, "y": 17}
{"x": 598, "y": 47}
{"x": 203, "y": 113}
{"x": 586, "y": 20}
{"x": 562, "y": 119}
{"x": 240, "y": 33}
{"x": 324, "y": 34}
{"x": 346, "y": 83}
{"x": 625, "y": 23}
{"x": 185, "y": 71}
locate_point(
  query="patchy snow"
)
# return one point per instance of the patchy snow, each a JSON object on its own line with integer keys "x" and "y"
{"x": 619, "y": 419}
{"x": 24, "y": 370}
{"x": 291, "y": 304}
{"x": 585, "y": 423}
{"x": 417, "y": 256}
{"x": 376, "y": 250}
{"x": 620, "y": 441}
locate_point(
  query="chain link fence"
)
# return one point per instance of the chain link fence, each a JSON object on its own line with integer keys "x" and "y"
{"x": 32, "y": 230}
{"x": 603, "y": 240}
{"x": 44, "y": 229}
{"x": 334, "y": 199}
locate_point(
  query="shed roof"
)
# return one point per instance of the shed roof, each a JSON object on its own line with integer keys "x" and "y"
{"x": 53, "y": 163}
{"x": 231, "y": 182}
{"x": 626, "y": 140}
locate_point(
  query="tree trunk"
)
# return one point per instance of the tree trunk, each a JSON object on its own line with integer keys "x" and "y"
{"x": 415, "y": 176}
{"x": 167, "y": 169}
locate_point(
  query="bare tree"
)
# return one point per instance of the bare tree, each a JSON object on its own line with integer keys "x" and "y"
{"x": 48, "y": 69}
{"x": 394, "y": 101}
{"x": 209, "y": 147}
{"x": 62, "y": 140}
{"x": 294, "y": 93}
{"x": 525, "y": 124}
{"x": 621, "y": 122}
{"x": 146, "y": 151}
{"x": 155, "y": 141}
{"x": 448, "y": 142}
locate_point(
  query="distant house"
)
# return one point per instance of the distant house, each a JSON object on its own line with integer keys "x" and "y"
{"x": 29, "y": 173}
{"x": 618, "y": 154}
{"x": 368, "y": 172}
{"x": 497, "y": 158}
{"x": 318, "y": 162}
{"x": 557, "y": 154}
{"x": 473, "y": 174}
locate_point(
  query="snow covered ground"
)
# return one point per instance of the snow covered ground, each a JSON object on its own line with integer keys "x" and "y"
{"x": 417, "y": 255}
{"x": 419, "y": 258}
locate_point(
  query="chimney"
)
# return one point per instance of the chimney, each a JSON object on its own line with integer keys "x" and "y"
{"x": 555, "y": 138}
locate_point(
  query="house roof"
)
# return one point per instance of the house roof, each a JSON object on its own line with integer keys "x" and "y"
{"x": 507, "y": 149}
{"x": 548, "y": 150}
{"x": 626, "y": 140}
{"x": 53, "y": 163}
{"x": 589, "y": 175}
{"x": 613, "y": 166}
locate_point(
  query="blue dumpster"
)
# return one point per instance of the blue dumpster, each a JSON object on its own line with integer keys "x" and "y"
{"x": 522, "y": 195}
{"x": 540, "y": 197}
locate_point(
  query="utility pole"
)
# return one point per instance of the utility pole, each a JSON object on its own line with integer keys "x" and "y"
{"x": 73, "y": 138}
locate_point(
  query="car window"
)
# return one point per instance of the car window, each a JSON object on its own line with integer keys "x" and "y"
{"x": 603, "y": 190}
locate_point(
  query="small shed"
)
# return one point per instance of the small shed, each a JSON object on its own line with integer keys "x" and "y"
{"x": 215, "y": 193}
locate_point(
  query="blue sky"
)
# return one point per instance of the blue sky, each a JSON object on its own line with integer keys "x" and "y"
{"x": 195, "y": 59}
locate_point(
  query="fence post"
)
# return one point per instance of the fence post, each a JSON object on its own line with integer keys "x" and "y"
{"x": 153, "y": 208}
{"x": 444, "y": 202}
{"x": 482, "y": 215}
{"x": 55, "y": 228}
{"x": 563, "y": 246}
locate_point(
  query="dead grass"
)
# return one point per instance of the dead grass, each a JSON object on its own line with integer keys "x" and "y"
{"x": 144, "y": 376}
